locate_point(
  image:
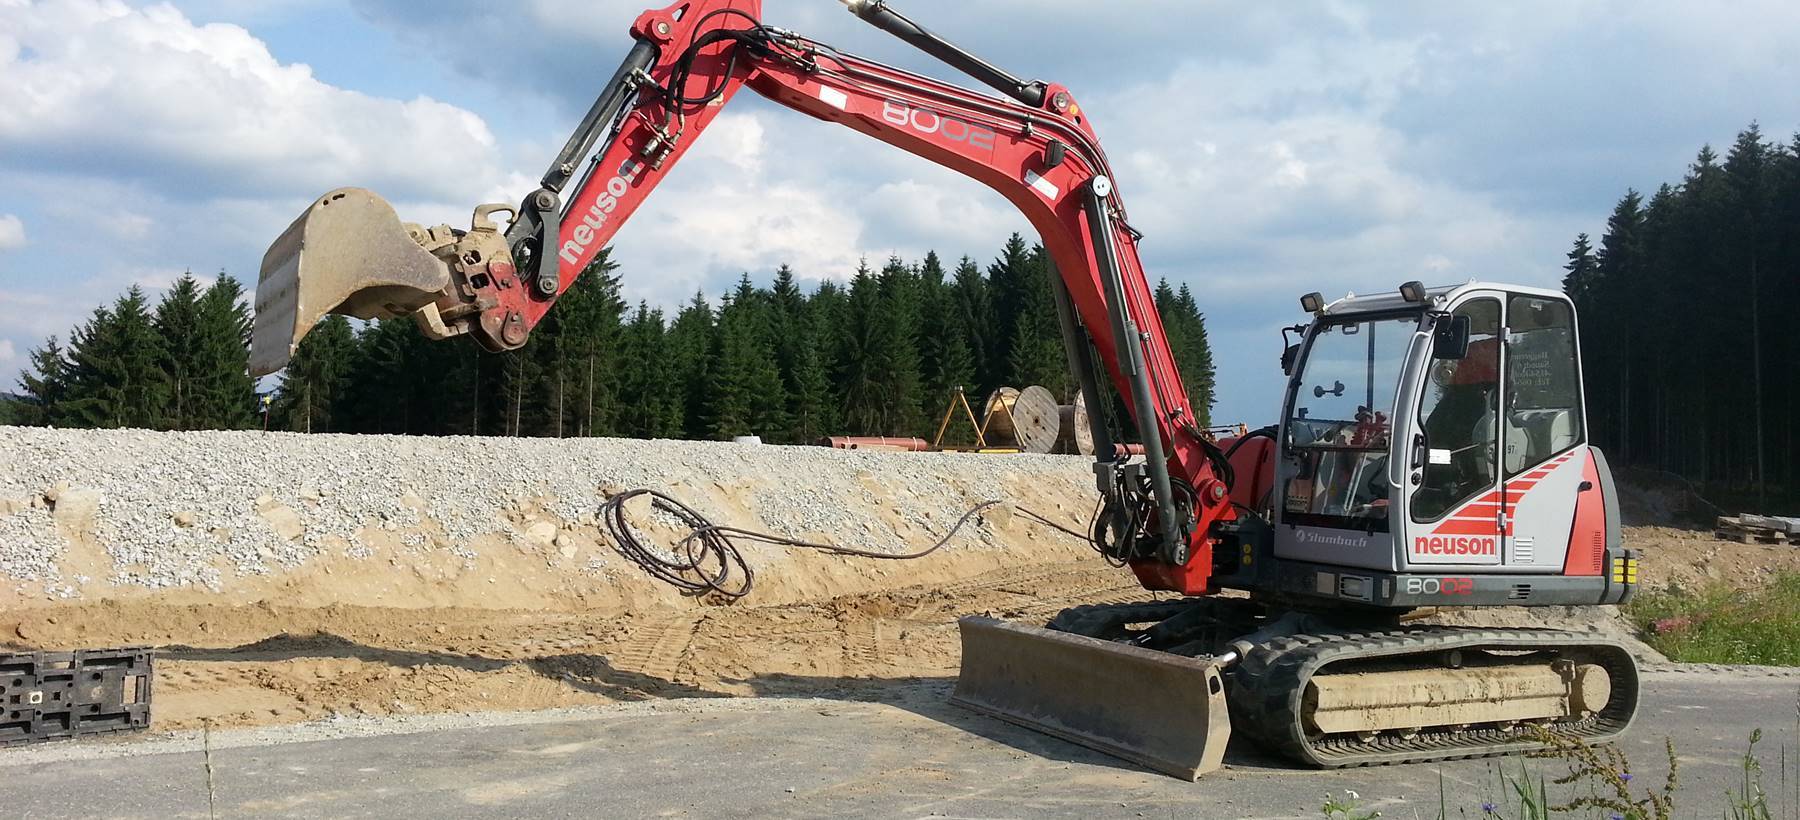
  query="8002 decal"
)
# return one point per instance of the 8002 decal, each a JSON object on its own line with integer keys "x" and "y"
{"x": 927, "y": 121}
{"x": 1440, "y": 586}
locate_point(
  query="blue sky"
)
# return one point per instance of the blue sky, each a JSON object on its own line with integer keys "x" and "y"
{"x": 1265, "y": 149}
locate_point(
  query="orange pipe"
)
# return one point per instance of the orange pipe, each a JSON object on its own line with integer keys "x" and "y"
{"x": 915, "y": 445}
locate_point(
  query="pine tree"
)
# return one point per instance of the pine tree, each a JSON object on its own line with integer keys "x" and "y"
{"x": 1198, "y": 375}
{"x": 945, "y": 356}
{"x": 116, "y": 377}
{"x": 1579, "y": 282}
{"x": 1658, "y": 307}
{"x": 651, "y": 403}
{"x": 315, "y": 385}
{"x": 970, "y": 301}
{"x": 222, "y": 395}
{"x": 744, "y": 383}
{"x": 178, "y": 322}
{"x": 377, "y": 398}
{"x": 1783, "y": 347}
{"x": 46, "y": 386}
{"x": 689, "y": 343}
{"x": 826, "y": 315}
{"x": 1035, "y": 352}
{"x": 786, "y": 308}
{"x": 1619, "y": 271}
{"x": 1706, "y": 215}
{"x": 1747, "y": 171}
{"x": 582, "y": 366}
{"x": 1009, "y": 288}
{"x": 894, "y": 338}
{"x": 951, "y": 357}
{"x": 810, "y": 399}
{"x": 860, "y": 375}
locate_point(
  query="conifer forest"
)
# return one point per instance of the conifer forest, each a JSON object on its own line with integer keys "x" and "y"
{"x": 879, "y": 354}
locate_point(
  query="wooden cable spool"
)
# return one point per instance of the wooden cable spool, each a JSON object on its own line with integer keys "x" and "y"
{"x": 1074, "y": 436}
{"x": 1028, "y": 418}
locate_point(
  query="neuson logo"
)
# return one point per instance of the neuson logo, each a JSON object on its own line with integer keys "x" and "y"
{"x": 1454, "y": 545}
{"x": 598, "y": 213}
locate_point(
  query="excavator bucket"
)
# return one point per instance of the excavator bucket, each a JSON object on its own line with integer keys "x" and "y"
{"x": 348, "y": 254}
{"x": 1155, "y": 709}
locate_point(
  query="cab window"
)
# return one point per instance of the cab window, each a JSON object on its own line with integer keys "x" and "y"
{"x": 1543, "y": 382}
{"x": 1458, "y": 409}
{"x": 1340, "y": 429}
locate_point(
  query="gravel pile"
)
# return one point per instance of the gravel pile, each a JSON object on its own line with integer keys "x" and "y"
{"x": 173, "y": 510}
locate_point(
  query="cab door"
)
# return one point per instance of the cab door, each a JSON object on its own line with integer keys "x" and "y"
{"x": 1543, "y": 435}
{"x": 1453, "y": 497}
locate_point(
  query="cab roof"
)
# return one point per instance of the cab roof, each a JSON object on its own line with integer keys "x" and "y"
{"x": 1439, "y": 295}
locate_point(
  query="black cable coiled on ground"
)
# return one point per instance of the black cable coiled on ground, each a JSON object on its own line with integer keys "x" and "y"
{"x": 708, "y": 561}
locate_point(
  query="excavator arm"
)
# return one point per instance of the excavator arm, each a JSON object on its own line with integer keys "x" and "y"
{"x": 1034, "y": 145}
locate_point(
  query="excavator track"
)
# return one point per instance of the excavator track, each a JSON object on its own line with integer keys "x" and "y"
{"x": 1268, "y": 693}
{"x": 1268, "y": 689}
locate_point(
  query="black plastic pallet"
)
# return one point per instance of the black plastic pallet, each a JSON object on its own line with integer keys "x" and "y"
{"x": 50, "y": 695}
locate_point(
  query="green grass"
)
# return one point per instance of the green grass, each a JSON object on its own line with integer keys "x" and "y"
{"x": 1599, "y": 785}
{"x": 1718, "y": 624}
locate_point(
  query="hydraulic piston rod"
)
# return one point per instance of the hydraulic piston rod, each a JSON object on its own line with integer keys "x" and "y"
{"x": 880, "y": 15}
{"x": 1128, "y": 351}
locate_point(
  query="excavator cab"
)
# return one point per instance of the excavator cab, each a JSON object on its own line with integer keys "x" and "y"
{"x": 1433, "y": 452}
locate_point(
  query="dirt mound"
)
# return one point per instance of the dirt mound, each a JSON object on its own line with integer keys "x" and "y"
{"x": 1689, "y": 559}
{"x": 265, "y": 663}
{"x": 478, "y": 523}
{"x": 228, "y": 665}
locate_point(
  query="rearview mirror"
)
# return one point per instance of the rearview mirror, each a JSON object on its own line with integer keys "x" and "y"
{"x": 1450, "y": 337}
{"x": 1288, "y": 358}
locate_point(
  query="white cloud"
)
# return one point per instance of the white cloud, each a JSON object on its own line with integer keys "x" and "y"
{"x": 1314, "y": 193}
{"x": 190, "y": 146}
{"x": 12, "y": 232}
{"x": 97, "y": 86}
{"x": 720, "y": 212}
{"x": 937, "y": 210}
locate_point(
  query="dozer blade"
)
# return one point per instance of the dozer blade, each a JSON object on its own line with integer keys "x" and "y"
{"x": 1159, "y": 710}
{"x": 348, "y": 254}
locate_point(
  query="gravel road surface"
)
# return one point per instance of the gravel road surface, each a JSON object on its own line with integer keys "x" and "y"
{"x": 906, "y": 755}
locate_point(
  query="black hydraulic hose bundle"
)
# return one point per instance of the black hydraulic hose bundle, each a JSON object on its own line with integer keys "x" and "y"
{"x": 708, "y": 561}
{"x": 1260, "y": 432}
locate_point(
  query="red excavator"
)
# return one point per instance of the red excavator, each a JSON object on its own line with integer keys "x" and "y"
{"x": 1432, "y": 449}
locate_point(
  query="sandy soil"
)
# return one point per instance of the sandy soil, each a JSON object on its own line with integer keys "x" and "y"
{"x": 248, "y": 665}
{"x": 234, "y": 664}
{"x": 1687, "y": 559}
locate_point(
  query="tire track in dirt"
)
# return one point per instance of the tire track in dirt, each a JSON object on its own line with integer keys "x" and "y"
{"x": 862, "y": 644}
{"x": 658, "y": 651}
